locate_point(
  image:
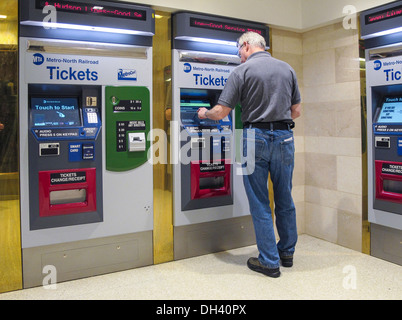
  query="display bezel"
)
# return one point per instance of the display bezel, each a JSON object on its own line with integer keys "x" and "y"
{"x": 381, "y": 109}
{"x": 77, "y": 119}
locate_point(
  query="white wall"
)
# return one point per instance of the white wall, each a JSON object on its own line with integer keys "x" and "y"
{"x": 296, "y": 15}
{"x": 285, "y": 13}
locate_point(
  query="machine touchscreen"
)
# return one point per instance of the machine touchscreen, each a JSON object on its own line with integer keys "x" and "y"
{"x": 391, "y": 110}
{"x": 55, "y": 112}
{"x": 189, "y": 114}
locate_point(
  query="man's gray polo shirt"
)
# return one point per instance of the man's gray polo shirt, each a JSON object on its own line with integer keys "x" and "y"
{"x": 265, "y": 87}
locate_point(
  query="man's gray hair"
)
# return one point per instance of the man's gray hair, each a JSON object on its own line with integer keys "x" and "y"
{"x": 252, "y": 38}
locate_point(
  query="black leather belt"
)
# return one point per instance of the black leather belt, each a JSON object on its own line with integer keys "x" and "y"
{"x": 276, "y": 125}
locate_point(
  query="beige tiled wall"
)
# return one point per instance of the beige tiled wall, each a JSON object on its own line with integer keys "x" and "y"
{"x": 328, "y": 173}
{"x": 288, "y": 46}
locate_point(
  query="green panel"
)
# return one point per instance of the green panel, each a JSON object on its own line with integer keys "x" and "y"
{"x": 238, "y": 133}
{"x": 127, "y": 111}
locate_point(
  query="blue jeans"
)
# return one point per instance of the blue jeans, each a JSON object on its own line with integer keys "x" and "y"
{"x": 272, "y": 152}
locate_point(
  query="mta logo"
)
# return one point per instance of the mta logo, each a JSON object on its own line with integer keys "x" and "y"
{"x": 377, "y": 65}
{"x": 187, "y": 68}
{"x": 38, "y": 59}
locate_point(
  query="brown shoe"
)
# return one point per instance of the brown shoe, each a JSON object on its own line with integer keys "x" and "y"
{"x": 255, "y": 265}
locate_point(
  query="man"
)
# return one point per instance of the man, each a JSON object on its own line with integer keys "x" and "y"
{"x": 268, "y": 92}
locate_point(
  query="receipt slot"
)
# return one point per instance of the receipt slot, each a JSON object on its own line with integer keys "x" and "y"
{"x": 85, "y": 114}
{"x": 210, "y": 206}
{"x": 383, "y": 43}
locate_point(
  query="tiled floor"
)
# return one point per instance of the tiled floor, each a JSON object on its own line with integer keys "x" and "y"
{"x": 321, "y": 270}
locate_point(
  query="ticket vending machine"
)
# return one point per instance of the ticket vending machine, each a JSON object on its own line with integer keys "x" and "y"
{"x": 211, "y": 211}
{"x": 85, "y": 114}
{"x": 381, "y": 30}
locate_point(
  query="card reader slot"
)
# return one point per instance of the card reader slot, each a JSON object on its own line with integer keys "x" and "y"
{"x": 46, "y": 149}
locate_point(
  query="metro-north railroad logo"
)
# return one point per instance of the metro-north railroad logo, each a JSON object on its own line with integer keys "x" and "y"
{"x": 377, "y": 65}
{"x": 187, "y": 68}
{"x": 38, "y": 59}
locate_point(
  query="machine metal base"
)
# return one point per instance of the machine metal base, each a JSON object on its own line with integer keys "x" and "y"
{"x": 203, "y": 238}
{"x": 386, "y": 243}
{"x": 80, "y": 259}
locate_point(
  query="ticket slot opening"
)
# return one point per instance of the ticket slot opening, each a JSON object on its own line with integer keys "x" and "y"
{"x": 68, "y": 196}
{"x": 392, "y": 186}
{"x": 212, "y": 183}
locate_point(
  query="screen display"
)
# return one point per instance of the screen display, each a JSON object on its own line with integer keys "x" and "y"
{"x": 100, "y": 10}
{"x": 391, "y": 111}
{"x": 221, "y": 26}
{"x": 384, "y": 15}
{"x": 189, "y": 114}
{"x": 55, "y": 112}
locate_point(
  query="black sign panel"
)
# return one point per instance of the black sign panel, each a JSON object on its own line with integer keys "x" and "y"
{"x": 212, "y": 167}
{"x": 203, "y": 129}
{"x": 100, "y": 10}
{"x": 68, "y": 177}
{"x": 128, "y": 106}
{"x": 56, "y": 133}
{"x": 384, "y": 15}
{"x": 380, "y": 26}
{"x": 388, "y": 128}
{"x": 222, "y": 26}
{"x": 188, "y": 26}
{"x": 389, "y": 168}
